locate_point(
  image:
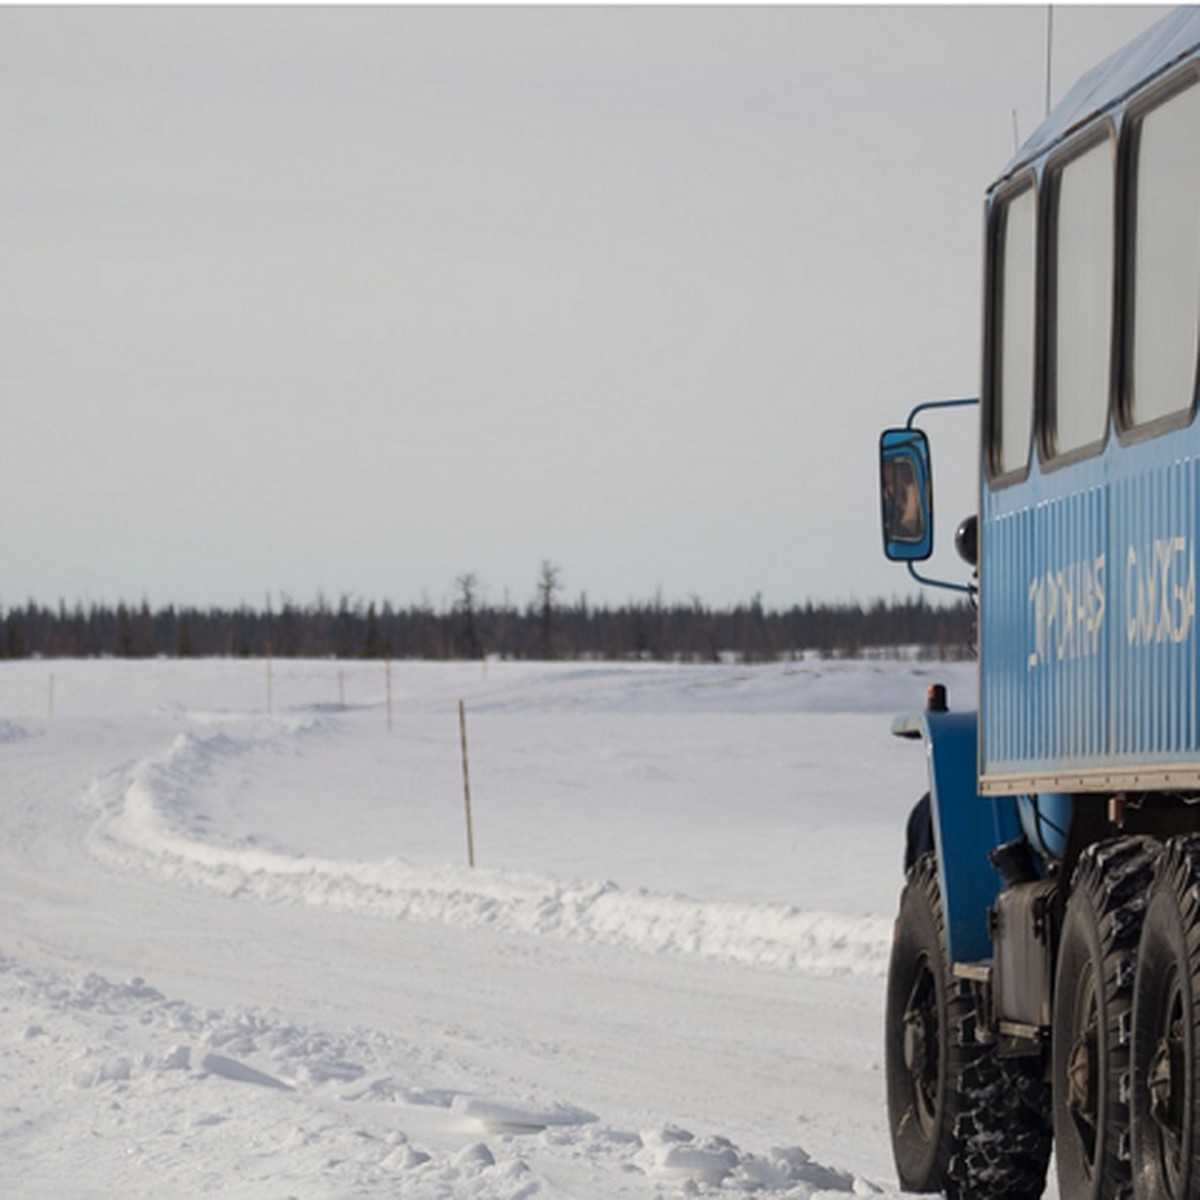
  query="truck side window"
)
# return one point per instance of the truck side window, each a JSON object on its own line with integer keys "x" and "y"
{"x": 1016, "y": 260}
{"x": 1083, "y": 259}
{"x": 1165, "y": 269}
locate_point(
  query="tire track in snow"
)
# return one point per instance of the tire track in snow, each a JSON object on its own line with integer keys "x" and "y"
{"x": 145, "y": 820}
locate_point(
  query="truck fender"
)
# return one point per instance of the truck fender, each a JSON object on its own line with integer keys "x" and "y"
{"x": 967, "y": 827}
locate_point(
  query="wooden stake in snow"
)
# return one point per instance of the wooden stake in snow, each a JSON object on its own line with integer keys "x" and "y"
{"x": 270, "y": 685}
{"x": 388, "y": 669}
{"x": 341, "y": 689}
{"x": 462, "y": 730}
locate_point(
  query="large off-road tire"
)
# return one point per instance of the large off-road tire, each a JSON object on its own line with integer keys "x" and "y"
{"x": 1165, "y": 1118}
{"x": 1093, "y": 1013}
{"x": 964, "y": 1121}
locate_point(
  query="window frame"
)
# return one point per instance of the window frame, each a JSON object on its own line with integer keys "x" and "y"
{"x": 1046, "y": 400}
{"x": 1128, "y": 430}
{"x": 1029, "y": 180}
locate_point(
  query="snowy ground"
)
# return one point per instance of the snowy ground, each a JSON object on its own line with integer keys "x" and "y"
{"x": 241, "y": 951}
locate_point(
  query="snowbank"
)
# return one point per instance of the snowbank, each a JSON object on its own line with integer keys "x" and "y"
{"x": 147, "y": 823}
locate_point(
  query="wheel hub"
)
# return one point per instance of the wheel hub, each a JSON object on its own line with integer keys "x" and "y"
{"x": 1165, "y": 1077}
{"x": 920, "y": 1047}
{"x": 916, "y": 1041}
{"x": 1168, "y": 1087}
{"x": 1083, "y": 1076}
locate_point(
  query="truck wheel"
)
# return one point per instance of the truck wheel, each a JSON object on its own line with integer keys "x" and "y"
{"x": 1093, "y": 1005}
{"x": 964, "y": 1121}
{"x": 1165, "y": 1121}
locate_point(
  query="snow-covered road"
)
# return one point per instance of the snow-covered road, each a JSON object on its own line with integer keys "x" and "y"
{"x": 240, "y": 950}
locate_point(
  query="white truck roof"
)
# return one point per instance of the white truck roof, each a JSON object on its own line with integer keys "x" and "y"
{"x": 1152, "y": 53}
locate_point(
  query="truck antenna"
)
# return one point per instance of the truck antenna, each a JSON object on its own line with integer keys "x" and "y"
{"x": 1049, "y": 51}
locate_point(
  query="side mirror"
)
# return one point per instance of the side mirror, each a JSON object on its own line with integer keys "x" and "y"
{"x": 906, "y": 491}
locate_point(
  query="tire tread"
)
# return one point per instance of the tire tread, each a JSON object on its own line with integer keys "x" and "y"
{"x": 995, "y": 1136}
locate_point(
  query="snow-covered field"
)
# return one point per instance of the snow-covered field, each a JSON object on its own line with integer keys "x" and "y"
{"x": 241, "y": 951}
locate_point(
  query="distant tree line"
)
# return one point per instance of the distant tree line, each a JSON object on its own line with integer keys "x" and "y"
{"x": 471, "y": 628}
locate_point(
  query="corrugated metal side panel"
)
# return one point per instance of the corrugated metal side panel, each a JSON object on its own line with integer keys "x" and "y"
{"x": 1044, "y": 673}
{"x": 1090, "y": 656}
{"x": 1153, "y": 638}
{"x": 1087, "y": 733}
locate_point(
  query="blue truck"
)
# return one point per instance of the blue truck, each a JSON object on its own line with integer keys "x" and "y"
{"x": 1044, "y": 986}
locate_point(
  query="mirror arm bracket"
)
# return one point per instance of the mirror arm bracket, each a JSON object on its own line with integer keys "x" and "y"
{"x": 965, "y": 588}
{"x": 928, "y": 404}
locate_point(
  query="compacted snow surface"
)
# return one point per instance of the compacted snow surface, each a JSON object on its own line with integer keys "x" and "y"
{"x": 241, "y": 951}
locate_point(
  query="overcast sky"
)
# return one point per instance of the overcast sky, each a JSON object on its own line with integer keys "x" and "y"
{"x": 362, "y": 300}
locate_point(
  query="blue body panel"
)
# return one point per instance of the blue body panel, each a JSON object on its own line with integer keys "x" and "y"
{"x": 966, "y": 828}
{"x": 1088, "y": 642}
